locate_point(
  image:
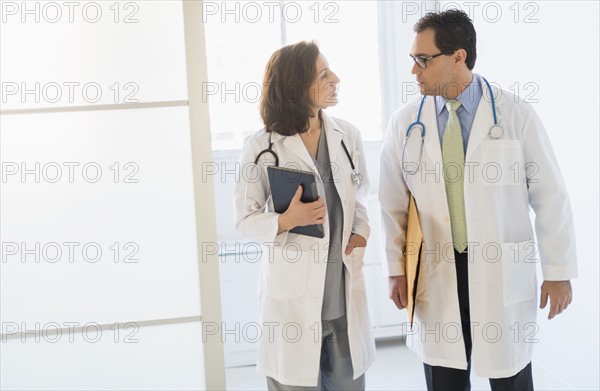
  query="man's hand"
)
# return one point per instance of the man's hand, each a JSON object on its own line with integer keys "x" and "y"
{"x": 355, "y": 241}
{"x": 398, "y": 291}
{"x": 560, "y": 294}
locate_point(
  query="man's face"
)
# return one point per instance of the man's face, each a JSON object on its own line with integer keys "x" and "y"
{"x": 439, "y": 73}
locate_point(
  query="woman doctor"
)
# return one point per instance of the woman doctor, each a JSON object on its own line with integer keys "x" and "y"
{"x": 315, "y": 328}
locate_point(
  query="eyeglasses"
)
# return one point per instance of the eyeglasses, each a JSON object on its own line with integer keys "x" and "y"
{"x": 422, "y": 61}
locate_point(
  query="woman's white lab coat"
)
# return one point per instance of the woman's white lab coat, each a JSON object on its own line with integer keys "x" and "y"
{"x": 503, "y": 178}
{"x": 293, "y": 267}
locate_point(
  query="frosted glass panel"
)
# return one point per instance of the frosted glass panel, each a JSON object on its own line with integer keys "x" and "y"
{"x": 111, "y": 52}
{"x": 98, "y": 218}
{"x": 167, "y": 357}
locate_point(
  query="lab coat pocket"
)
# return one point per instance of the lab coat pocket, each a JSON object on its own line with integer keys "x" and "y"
{"x": 357, "y": 262}
{"x": 501, "y": 162}
{"x": 519, "y": 261}
{"x": 286, "y": 273}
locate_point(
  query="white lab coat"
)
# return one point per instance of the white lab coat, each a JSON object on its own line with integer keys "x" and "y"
{"x": 503, "y": 178}
{"x": 293, "y": 267}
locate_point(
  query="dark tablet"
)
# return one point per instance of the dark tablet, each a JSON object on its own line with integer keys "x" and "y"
{"x": 284, "y": 183}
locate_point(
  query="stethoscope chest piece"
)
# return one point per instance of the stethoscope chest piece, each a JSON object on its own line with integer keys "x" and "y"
{"x": 356, "y": 177}
{"x": 496, "y": 132}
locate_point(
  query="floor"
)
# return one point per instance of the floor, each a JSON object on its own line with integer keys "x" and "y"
{"x": 396, "y": 368}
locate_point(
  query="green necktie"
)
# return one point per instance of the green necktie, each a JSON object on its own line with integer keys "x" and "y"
{"x": 453, "y": 156}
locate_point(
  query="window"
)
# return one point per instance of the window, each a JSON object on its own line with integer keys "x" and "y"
{"x": 242, "y": 36}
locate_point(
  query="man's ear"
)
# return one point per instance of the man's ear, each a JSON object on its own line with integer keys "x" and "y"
{"x": 460, "y": 56}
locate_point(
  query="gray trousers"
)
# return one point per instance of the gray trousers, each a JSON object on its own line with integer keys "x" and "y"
{"x": 335, "y": 371}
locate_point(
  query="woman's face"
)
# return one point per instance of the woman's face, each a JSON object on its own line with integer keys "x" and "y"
{"x": 323, "y": 91}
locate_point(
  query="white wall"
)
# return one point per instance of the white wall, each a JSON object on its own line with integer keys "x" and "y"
{"x": 554, "y": 60}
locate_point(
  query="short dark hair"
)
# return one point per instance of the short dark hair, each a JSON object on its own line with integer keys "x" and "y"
{"x": 453, "y": 30}
{"x": 286, "y": 105}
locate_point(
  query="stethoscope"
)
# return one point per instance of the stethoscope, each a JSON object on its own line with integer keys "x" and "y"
{"x": 356, "y": 176}
{"x": 495, "y": 132}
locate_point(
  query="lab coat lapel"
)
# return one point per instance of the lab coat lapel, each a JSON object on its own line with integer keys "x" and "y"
{"x": 484, "y": 119}
{"x": 432, "y": 135}
{"x": 294, "y": 144}
{"x": 434, "y": 184}
{"x": 334, "y": 135}
{"x": 334, "y": 139}
{"x": 334, "y": 146}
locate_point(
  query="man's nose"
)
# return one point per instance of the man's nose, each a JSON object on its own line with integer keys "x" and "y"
{"x": 415, "y": 69}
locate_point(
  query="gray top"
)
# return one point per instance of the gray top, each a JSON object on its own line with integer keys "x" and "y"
{"x": 334, "y": 299}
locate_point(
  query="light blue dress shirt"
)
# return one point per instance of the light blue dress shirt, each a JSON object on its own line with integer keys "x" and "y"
{"x": 469, "y": 101}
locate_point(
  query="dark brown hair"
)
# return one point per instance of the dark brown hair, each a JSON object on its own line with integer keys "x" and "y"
{"x": 285, "y": 105}
{"x": 453, "y": 30}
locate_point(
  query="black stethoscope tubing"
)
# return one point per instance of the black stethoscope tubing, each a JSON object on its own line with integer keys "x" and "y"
{"x": 270, "y": 150}
{"x": 356, "y": 176}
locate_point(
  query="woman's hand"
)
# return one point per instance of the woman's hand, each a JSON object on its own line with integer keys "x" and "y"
{"x": 355, "y": 241}
{"x": 299, "y": 214}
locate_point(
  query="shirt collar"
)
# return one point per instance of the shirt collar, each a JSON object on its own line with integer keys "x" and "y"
{"x": 466, "y": 98}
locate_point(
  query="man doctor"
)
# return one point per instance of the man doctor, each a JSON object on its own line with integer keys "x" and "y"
{"x": 473, "y": 184}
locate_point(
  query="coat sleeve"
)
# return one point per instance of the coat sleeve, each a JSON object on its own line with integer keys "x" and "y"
{"x": 360, "y": 224}
{"x": 549, "y": 200}
{"x": 393, "y": 198}
{"x": 251, "y": 197}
